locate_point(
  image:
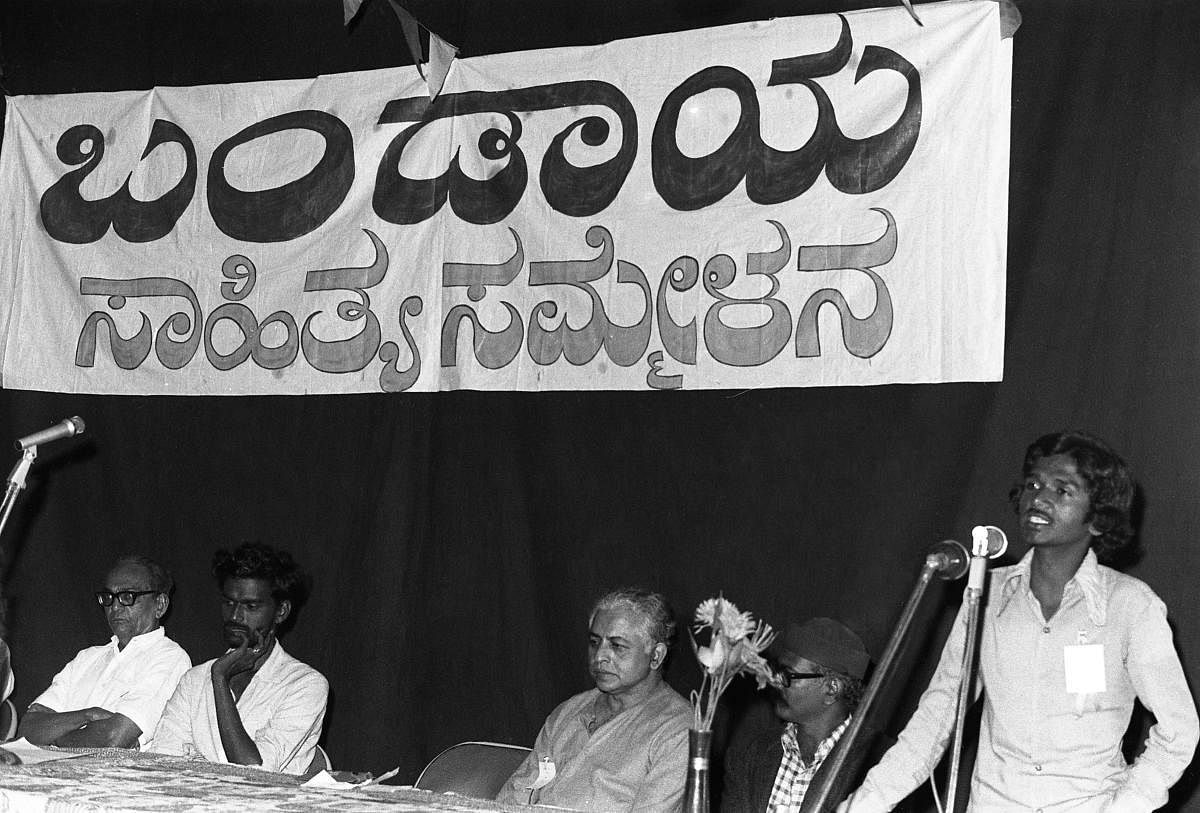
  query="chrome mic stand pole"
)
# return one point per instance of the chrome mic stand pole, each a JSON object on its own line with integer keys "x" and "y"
{"x": 16, "y": 484}
{"x": 947, "y": 560}
{"x": 972, "y": 596}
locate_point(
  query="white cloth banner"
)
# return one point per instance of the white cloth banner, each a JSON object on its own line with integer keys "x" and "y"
{"x": 809, "y": 201}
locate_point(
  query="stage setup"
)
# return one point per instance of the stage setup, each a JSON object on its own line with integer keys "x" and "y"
{"x": 482, "y": 309}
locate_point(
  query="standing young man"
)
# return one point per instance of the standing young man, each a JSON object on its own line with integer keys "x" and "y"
{"x": 1067, "y": 645}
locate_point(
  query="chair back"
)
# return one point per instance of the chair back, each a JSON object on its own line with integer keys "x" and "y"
{"x": 320, "y": 762}
{"x": 475, "y": 769}
{"x": 8, "y": 720}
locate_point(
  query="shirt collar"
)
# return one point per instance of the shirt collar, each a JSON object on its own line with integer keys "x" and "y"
{"x": 587, "y": 714}
{"x": 268, "y": 672}
{"x": 145, "y": 639}
{"x": 788, "y": 739}
{"x": 1090, "y": 580}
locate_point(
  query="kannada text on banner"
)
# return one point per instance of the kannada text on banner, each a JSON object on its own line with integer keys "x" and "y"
{"x": 799, "y": 202}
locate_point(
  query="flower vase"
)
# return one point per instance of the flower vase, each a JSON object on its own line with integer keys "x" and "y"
{"x": 695, "y": 792}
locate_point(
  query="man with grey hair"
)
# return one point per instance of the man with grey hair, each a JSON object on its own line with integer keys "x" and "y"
{"x": 113, "y": 695}
{"x": 623, "y": 744}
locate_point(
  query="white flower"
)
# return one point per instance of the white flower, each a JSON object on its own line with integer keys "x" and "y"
{"x": 706, "y": 612}
{"x": 734, "y": 625}
{"x": 713, "y": 658}
{"x": 735, "y": 644}
{"x": 764, "y": 675}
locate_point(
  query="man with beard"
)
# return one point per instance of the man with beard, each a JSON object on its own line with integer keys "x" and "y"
{"x": 113, "y": 695}
{"x": 256, "y": 704}
{"x": 622, "y": 745}
{"x": 1067, "y": 645}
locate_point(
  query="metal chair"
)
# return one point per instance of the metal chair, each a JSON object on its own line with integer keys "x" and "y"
{"x": 320, "y": 762}
{"x": 475, "y": 769}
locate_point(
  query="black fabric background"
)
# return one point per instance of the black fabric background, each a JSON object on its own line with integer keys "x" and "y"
{"x": 457, "y": 539}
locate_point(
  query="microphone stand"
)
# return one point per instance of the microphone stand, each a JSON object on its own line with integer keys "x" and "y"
{"x": 972, "y": 597}
{"x": 16, "y": 484}
{"x": 948, "y": 560}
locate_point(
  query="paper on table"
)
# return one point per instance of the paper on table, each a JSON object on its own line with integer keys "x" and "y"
{"x": 30, "y": 754}
{"x": 324, "y": 779}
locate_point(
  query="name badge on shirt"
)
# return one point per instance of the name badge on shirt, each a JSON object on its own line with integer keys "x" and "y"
{"x": 545, "y": 775}
{"x": 1084, "y": 666}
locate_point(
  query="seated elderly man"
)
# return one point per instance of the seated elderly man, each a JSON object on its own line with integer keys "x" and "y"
{"x": 113, "y": 695}
{"x": 256, "y": 704}
{"x": 622, "y": 745}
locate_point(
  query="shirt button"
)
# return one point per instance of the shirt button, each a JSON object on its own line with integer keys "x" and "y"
{"x": 1037, "y": 768}
{"x": 1046, "y": 629}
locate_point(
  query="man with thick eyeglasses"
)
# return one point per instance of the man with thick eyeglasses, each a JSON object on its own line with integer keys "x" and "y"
{"x": 113, "y": 695}
{"x": 255, "y": 704}
{"x": 820, "y": 666}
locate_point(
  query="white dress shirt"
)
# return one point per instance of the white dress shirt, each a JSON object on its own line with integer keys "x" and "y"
{"x": 282, "y": 710}
{"x": 1058, "y": 695}
{"x": 135, "y": 681}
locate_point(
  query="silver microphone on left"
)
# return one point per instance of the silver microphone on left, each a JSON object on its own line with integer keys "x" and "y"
{"x": 67, "y": 428}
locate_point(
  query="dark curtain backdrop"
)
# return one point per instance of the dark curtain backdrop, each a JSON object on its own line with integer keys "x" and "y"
{"x": 458, "y": 539}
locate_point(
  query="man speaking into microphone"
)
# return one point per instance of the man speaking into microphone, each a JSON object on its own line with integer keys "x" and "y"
{"x": 1067, "y": 645}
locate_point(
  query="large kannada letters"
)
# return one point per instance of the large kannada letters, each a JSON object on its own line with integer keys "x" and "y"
{"x": 336, "y": 356}
{"x": 572, "y": 190}
{"x": 178, "y": 339}
{"x": 295, "y": 209}
{"x": 69, "y": 218}
{"x": 564, "y": 310}
{"x": 772, "y": 176}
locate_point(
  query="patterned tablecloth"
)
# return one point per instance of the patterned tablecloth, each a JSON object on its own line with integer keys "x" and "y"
{"x": 118, "y": 780}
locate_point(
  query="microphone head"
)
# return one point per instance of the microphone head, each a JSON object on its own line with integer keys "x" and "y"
{"x": 948, "y": 558}
{"x": 988, "y": 541}
{"x": 77, "y": 424}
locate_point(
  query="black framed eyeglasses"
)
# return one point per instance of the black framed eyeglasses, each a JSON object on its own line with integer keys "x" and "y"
{"x": 126, "y": 598}
{"x": 786, "y": 676}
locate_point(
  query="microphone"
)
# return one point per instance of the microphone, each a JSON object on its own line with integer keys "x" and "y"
{"x": 948, "y": 559}
{"x": 988, "y": 541}
{"x": 63, "y": 429}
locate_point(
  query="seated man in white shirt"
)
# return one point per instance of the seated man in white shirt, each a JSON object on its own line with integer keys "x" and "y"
{"x": 256, "y": 704}
{"x": 113, "y": 695}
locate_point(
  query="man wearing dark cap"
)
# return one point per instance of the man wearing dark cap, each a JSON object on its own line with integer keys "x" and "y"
{"x": 821, "y": 664}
